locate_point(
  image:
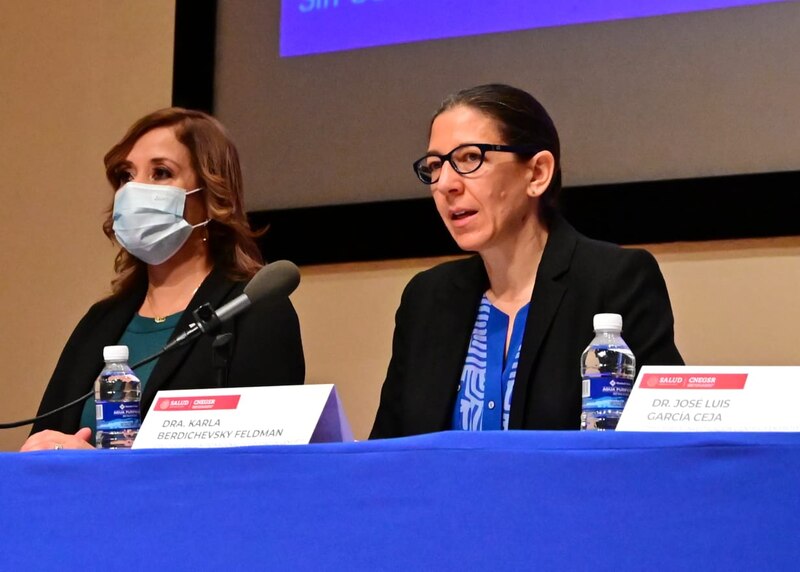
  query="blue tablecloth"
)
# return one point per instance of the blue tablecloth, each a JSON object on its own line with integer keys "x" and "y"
{"x": 450, "y": 501}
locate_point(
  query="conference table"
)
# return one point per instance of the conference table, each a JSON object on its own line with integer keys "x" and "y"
{"x": 448, "y": 501}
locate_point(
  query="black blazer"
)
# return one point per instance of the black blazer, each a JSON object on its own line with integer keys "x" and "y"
{"x": 267, "y": 350}
{"x": 576, "y": 279}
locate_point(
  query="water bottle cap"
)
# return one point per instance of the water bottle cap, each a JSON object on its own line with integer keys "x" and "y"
{"x": 115, "y": 353}
{"x": 608, "y": 322}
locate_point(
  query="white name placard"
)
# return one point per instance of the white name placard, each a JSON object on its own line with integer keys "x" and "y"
{"x": 708, "y": 398}
{"x": 237, "y": 417}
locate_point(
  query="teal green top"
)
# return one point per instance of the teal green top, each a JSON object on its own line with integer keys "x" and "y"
{"x": 144, "y": 337}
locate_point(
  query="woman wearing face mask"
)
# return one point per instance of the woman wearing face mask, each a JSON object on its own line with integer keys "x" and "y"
{"x": 494, "y": 341}
{"x": 179, "y": 218}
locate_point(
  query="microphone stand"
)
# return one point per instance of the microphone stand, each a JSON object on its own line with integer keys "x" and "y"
{"x": 221, "y": 353}
{"x": 208, "y": 322}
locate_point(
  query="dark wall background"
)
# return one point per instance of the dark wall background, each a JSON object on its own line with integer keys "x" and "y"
{"x": 645, "y": 212}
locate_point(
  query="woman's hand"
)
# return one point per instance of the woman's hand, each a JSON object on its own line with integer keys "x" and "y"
{"x": 44, "y": 440}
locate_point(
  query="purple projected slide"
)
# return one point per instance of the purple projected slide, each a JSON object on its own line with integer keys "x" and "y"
{"x": 317, "y": 26}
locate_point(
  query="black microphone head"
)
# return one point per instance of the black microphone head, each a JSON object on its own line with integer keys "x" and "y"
{"x": 274, "y": 280}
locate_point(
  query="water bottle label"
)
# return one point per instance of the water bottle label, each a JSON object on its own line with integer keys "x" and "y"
{"x": 605, "y": 391}
{"x": 117, "y": 415}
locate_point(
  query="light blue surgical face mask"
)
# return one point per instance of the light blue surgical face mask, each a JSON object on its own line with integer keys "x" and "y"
{"x": 148, "y": 220}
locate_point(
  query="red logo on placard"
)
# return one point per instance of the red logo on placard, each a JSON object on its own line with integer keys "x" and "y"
{"x": 693, "y": 380}
{"x": 207, "y": 403}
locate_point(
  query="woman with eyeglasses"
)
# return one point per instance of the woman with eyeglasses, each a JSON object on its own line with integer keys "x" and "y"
{"x": 494, "y": 341}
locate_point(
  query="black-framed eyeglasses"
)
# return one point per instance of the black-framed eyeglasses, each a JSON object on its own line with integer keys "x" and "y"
{"x": 464, "y": 159}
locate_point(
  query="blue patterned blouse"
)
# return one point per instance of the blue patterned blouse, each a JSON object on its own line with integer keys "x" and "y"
{"x": 487, "y": 380}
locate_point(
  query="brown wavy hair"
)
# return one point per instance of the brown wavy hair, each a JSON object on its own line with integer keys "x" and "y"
{"x": 215, "y": 160}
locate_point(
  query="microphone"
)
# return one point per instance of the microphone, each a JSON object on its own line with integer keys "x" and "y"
{"x": 275, "y": 280}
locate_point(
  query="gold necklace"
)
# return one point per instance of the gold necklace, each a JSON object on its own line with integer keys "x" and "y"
{"x": 161, "y": 319}
{"x": 156, "y": 318}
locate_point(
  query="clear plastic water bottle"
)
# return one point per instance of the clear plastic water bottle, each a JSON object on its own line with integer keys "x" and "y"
{"x": 116, "y": 393}
{"x": 608, "y": 369}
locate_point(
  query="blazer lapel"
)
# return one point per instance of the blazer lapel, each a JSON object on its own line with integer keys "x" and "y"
{"x": 458, "y": 300}
{"x": 548, "y": 291}
{"x": 214, "y": 289}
